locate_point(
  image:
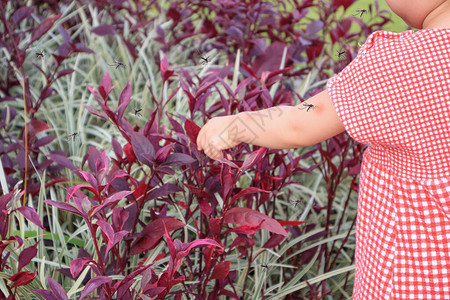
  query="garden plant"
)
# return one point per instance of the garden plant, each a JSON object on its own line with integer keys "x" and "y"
{"x": 104, "y": 194}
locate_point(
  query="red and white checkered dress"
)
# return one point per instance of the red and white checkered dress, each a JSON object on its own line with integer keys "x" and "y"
{"x": 395, "y": 97}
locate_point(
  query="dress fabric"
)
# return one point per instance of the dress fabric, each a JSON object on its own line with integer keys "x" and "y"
{"x": 395, "y": 97}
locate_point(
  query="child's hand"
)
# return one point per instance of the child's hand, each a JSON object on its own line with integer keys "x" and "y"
{"x": 218, "y": 134}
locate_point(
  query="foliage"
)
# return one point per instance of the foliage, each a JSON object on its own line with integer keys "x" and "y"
{"x": 119, "y": 202}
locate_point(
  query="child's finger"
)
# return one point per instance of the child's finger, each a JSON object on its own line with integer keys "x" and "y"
{"x": 199, "y": 146}
{"x": 200, "y": 139}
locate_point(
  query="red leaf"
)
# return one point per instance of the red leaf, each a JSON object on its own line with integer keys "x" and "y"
{"x": 27, "y": 255}
{"x": 192, "y": 130}
{"x": 62, "y": 160}
{"x": 153, "y": 232}
{"x": 47, "y": 295}
{"x": 249, "y": 69}
{"x": 170, "y": 244}
{"x": 143, "y": 148}
{"x": 105, "y": 86}
{"x": 84, "y": 205}
{"x": 344, "y": 3}
{"x": 119, "y": 217}
{"x": 103, "y": 30}
{"x": 31, "y": 215}
{"x": 129, "y": 153}
{"x": 162, "y": 153}
{"x": 246, "y": 191}
{"x": 196, "y": 191}
{"x": 178, "y": 159}
{"x": 205, "y": 208}
{"x": 124, "y": 100}
{"x": 73, "y": 190}
{"x": 147, "y": 276}
{"x": 22, "y": 278}
{"x": 46, "y": 92}
{"x": 44, "y": 141}
{"x": 93, "y": 284}
{"x": 65, "y": 72}
{"x": 270, "y": 60}
{"x": 315, "y": 49}
{"x": 164, "y": 66}
{"x": 77, "y": 265}
{"x": 89, "y": 178}
{"x": 4, "y": 200}
{"x": 184, "y": 249}
{"x": 226, "y": 180}
{"x": 113, "y": 238}
{"x": 277, "y": 72}
{"x": 63, "y": 206}
{"x": 99, "y": 113}
{"x": 57, "y": 289}
{"x": 247, "y": 229}
{"x": 42, "y": 28}
{"x": 22, "y": 13}
{"x": 38, "y": 126}
{"x": 164, "y": 190}
{"x": 253, "y": 158}
{"x": 106, "y": 228}
{"x": 214, "y": 225}
{"x": 191, "y": 97}
{"x": 117, "y": 148}
{"x": 207, "y": 254}
{"x": 246, "y": 216}
{"x": 221, "y": 270}
{"x": 111, "y": 200}
{"x": 119, "y": 174}
{"x": 274, "y": 241}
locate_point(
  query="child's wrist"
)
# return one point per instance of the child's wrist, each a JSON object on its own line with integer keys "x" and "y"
{"x": 243, "y": 131}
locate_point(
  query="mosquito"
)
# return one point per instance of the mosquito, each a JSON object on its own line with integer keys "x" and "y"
{"x": 72, "y": 136}
{"x": 39, "y": 55}
{"x": 204, "y": 59}
{"x": 137, "y": 111}
{"x": 296, "y": 202}
{"x": 341, "y": 54}
{"x": 360, "y": 12}
{"x": 118, "y": 64}
{"x": 308, "y": 106}
{"x": 265, "y": 267}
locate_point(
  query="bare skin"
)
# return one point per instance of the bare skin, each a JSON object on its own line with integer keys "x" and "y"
{"x": 422, "y": 14}
{"x": 285, "y": 127}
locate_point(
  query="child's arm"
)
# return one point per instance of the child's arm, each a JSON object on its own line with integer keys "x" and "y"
{"x": 281, "y": 127}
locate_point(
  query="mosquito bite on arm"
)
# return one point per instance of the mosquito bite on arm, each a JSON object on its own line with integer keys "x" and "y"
{"x": 316, "y": 120}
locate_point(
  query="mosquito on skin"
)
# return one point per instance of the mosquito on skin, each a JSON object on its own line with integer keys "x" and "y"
{"x": 308, "y": 106}
{"x": 204, "y": 59}
{"x": 118, "y": 64}
{"x": 360, "y": 12}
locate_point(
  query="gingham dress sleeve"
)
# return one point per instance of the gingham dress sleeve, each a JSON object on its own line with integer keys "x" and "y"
{"x": 395, "y": 97}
